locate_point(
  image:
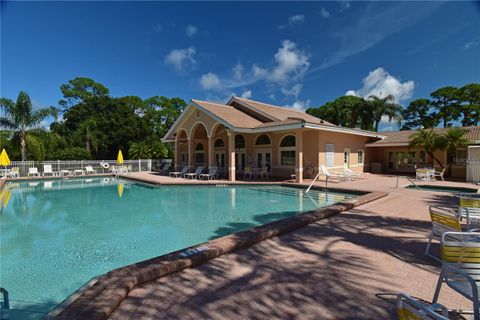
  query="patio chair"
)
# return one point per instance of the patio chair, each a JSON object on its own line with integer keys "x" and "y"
{"x": 461, "y": 266}
{"x": 348, "y": 172}
{"x": 470, "y": 208}
{"x": 194, "y": 175}
{"x": 14, "y": 173}
{"x": 443, "y": 220}
{"x": 178, "y": 174}
{"x": 337, "y": 176}
{"x": 33, "y": 172}
{"x": 439, "y": 174}
{"x": 409, "y": 308}
{"x": 264, "y": 173}
{"x": 164, "y": 169}
{"x": 212, "y": 174}
{"x": 247, "y": 171}
{"x": 90, "y": 170}
{"x": 47, "y": 170}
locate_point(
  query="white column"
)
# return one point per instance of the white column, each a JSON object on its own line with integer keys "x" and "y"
{"x": 299, "y": 157}
{"x": 190, "y": 153}
{"x": 211, "y": 154}
{"x": 231, "y": 156}
{"x": 177, "y": 154}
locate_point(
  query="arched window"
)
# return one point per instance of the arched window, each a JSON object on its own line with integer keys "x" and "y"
{"x": 288, "y": 141}
{"x": 263, "y": 140}
{"x": 287, "y": 151}
{"x": 219, "y": 143}
{"x": 239, "y": 142}
{"x": 199, "y": 154}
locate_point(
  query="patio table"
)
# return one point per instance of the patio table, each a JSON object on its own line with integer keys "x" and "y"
{"x": 425, "y": 174}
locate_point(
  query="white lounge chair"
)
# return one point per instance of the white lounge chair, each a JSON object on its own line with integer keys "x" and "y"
{"x": 348, "y": 172}
{"x": 33, "y": 172}
{"x": 439, "y": 174}
{"x": 212, "y": 174}
{"x": 47, "y": 170}
{"x": 178, "y": 174}
{"x": 194, "y": 175}
{"x": 329, "y": 175}
{"x": 14, "y": 173}
{"x": 90, "y": 170}
{"x": 410, "y": 309}
{"x": 264, "y": 173}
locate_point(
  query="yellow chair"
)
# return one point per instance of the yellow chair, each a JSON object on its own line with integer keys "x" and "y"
{"x": 460, "y": 253}
{"x": 411, "y": 309}
{"x": 470, "y": 208}
{"x": 443, "y": 220}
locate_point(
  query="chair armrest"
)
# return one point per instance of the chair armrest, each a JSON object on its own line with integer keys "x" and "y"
{"x": 455, "y": 273}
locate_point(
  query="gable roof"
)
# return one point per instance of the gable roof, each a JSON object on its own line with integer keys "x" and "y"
{"x": 402, "y": 138}
{"x": 229, "y": 114}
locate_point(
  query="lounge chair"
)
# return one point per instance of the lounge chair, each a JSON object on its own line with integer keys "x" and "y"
{"x": 461, "y": 266}
{"x": 412, "y": 309}
{"x": 470, "y": 209}
{"x": 348, "y": 172}
{"x": 264, "y": 173}
{"x": 164, "y": 169}
{"x": 14, "y": 173}
{"x": 247, "y": 171}
{"x": 178, "y": 174}
{"x": 212, "y": 174}
{"x": 439, "y": 174}
{"x": 337, "y": 176}
{"x": 443, "y": 220}
{"x": 33, "y": 172}
{"x": 90, "y": 170}
{"x": 47, "y": 170}
{"x": 194, "y": 175}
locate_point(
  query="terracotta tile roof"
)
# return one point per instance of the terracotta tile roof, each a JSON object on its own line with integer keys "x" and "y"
{"x": 229, "y": 114}
{"x": 282, "y": 113}
{"x": 279, "y": 123}
{"x": 403, "y": 137}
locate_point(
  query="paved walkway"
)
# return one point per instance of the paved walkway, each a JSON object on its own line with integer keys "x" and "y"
{"x": 345, "y": 267}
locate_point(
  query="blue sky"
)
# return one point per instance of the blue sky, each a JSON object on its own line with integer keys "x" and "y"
{"x": 291, "y": 54}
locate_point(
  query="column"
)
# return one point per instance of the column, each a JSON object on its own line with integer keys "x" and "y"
{"x": 231, "y": 156}
{"x": 211, "y": 153}
{"x": 190, "y": 153}
{"x": 299, "y": 157}
{"x": 177, "y": 154}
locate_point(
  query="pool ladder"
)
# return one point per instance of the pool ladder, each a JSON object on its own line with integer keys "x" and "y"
{"x": 6, "y": 303}
{"x": 409, "y": 179}
{"x": 315, "y": 179}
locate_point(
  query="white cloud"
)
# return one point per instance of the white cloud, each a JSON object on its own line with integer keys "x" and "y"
{"x": 380, "y": 83}
{"x": 157, "y": 28}
{"x": 470, "y": 44}
{"x": 293, "y": 91}
{"x": 272, "y": 96}
{"x": 292, "y": 63}
{"x": 300, "y": 105}
{"x": 247, "y": 94}
{"x": 191, "y": 30}
{"x": 324, "y": 13}
{"x": 210, "y": 81}
{"x": 293, "y": 20}
{"x": 238, "y": 72}
{"x": 345, "y": 5}
{"x": 181, "y": 59}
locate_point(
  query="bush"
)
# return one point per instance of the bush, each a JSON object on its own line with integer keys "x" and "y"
{"x": 75, "y": 153}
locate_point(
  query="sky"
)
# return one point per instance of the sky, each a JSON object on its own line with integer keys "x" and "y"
{"x": 293, "y": 54}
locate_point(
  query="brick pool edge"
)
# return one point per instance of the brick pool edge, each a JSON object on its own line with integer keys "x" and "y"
{"x": 99, "y": 299}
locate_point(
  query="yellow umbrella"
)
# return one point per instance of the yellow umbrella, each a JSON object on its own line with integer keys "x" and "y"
{"x": 120, "y": 157}
{"x": 120, "y": 189}
{"x": 4, "y": 160}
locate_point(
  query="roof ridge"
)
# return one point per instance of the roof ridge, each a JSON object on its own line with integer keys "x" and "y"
{"x": 270, "y": 105}
{"x": 218, "y": 104}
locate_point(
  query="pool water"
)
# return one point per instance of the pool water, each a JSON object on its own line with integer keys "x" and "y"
{"x": 56, "y": 235}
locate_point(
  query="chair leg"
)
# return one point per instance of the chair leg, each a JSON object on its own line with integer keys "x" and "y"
{"x": 439, "y": 286}
{"x": 430, "y": 237}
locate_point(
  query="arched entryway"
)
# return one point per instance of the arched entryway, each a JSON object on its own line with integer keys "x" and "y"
{"x": 199, "y": 144}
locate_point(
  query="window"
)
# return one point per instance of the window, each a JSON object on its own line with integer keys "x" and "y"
{"x": 287, "y": 157}
{"x": 239, "y": 142}
{"x": 219, "y": 143}
{"x": 422, "y": 159}
{"x": 199, "y": 153}
{"x": 263, "y": 140}
{"x": 198, "y": 114}
{"x": 460, "y": 156}
{"x": 288, "y": 141}
{"x": 330, "y": 154}
{"x": 360, "y": 157}
{"x": 346, "y": 157}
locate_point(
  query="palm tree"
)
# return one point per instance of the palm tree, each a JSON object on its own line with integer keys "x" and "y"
{"x": 429, "y": 140}
{"x": 385, "y": 107}
{"x": 20, "y": 117}
{"x": 454, "y": 139}
{"x": 139, "y": 150}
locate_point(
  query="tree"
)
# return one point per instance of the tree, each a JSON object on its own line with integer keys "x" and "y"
{"x": 445, "y": 101}
{"x": 417, "y": 115}
{"x": 454, "y": 139}
{"x": 139, "y": 150}
{"x": 469, "y": 99}
{"x": 429, "y": 140}
{"x": 80, "y": 90}
{"x": 20, "y": 117}
{"x": 385, "y": 107}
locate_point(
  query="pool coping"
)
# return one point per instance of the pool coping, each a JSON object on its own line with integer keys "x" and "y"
{"x": 100, "y": 296}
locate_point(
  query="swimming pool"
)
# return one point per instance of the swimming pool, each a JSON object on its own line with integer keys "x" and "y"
{"x": 58, "y": 234}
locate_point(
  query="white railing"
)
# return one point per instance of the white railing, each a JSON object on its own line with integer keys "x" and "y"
{"x": 473, "y": 171}
{"x": 98, "y": 165}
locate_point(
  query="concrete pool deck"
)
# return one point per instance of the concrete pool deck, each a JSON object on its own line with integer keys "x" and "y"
{"x": 343, "y": 267}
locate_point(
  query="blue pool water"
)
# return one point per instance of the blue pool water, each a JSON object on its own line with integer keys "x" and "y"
{"x": 57, "y": 235}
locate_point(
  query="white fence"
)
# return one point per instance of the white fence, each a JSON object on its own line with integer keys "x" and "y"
{"x": 59, "y": 165}
{"x": 473, "y": 171}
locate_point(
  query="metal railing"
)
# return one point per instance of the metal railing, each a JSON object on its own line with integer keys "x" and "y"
{"x": 473, "y": 171}
{"x": 101, "y": 166}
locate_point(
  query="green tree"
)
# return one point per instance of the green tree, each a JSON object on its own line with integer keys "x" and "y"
{"x": 385, "y": 107}
{"x": 445, "y": 102}
{"x": 139, "y": 150}
{"x": 454, "y": 139}
{"x": 430, "y": 140}
{"x": 80, "y": 90}
{"x": 417, "y": 115}
{"x": 469, "y": 99}
{"x": 20, "y": 117}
